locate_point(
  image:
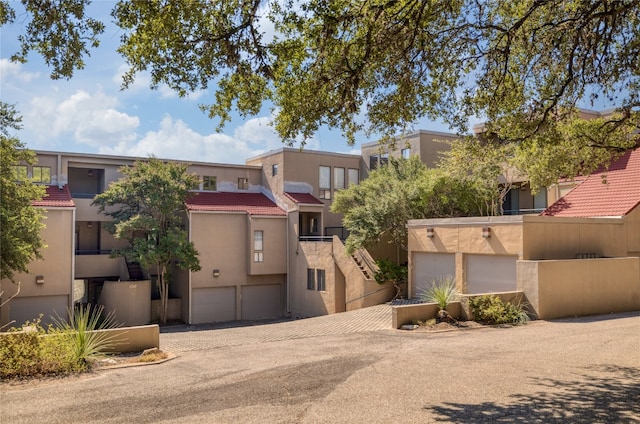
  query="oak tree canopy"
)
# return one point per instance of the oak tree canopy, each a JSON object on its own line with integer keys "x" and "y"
{"x": 378, "y": 66}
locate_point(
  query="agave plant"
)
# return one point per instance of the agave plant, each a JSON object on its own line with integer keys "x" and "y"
{"x": 442, "y": 293}
{"x": 83, "y": 326}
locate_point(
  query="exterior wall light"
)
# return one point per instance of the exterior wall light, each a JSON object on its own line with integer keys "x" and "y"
{"x": 89, "y": 224}
{"x": 216, "y": 273}
{"x": 39, "y": 279}
{"x": 486, "y": 232}
{"x": 430, "y": 232}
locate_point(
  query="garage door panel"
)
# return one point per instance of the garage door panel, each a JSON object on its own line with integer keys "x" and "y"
{"x": 23, "y": 309}
{"x": 213, "y": 304}
{"x": 430, "y": 267}
{"x": 260, "y": 302}
{"x": 491, "y": 273}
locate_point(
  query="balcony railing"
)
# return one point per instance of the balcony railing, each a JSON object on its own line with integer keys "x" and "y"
{"x": 341, "y": 232}
{"x": 522, "y": 211}
{"x": 321, "y": 239}
{"x": 93, "y": 251}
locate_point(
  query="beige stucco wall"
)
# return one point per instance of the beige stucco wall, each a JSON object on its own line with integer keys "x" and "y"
{"x": 274, "y": 244}
{"x": 305, "y": 302}
{"x": 564, "y": 238}
{"x": 299, "y": 171}
{"x": 427, "y": 144}
{"x": 224, "y": 242}
{"x": 56, "y": 268}
{"x": 129, "y": 300}
{"x": 561, "y": 288}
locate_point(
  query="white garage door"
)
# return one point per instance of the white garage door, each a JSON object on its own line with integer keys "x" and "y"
{"x": 431, "y": 267}
{"x": 259, "y": 302}
{"x": 213, "y": 304}
{"x": 491, "y": 273}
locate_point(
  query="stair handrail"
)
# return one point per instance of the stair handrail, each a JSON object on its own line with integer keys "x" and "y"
{"x": 368, "y": 260}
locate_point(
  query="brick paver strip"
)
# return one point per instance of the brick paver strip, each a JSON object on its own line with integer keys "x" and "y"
{"x": 191, "y": 338}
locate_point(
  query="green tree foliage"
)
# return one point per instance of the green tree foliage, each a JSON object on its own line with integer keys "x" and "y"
{"x": 487, "y": 166}
{"x": 20, "y": 221}
{"x": 522, "y": 66}
{"x": 148, "y": 204}
{"x": 379, "y": 207}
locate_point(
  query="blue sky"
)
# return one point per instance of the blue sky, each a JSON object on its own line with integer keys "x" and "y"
{"x": 90, "y": 114}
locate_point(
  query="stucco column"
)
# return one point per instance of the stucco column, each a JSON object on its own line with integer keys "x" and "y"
{"x": 461, "y": 276}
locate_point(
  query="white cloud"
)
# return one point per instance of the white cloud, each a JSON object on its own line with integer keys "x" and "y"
{"x": 259, "y": 131}
{"x": 142, "y": 82}
{"x": 176, "y": 140}
{"x": 9, "y": 69}
{"x": 90, "y": 119}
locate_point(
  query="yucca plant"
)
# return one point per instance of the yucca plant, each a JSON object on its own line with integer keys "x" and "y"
{"x": 442, "y": 293}
{"x": 82, "y": 327}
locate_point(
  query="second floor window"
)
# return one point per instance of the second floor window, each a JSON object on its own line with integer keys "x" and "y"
{"x": 258, "y": 246}
{"x": 20, "y": 173}
{"x": 325, "y": 182}
{"x": 243, "y": 183}
{"x": 42, "y": 174}
{"x": 354, "y": 176}
{"x": 209, "y": 183}
{"x": 338, "y": 177}
{"x": 406, "y": 153}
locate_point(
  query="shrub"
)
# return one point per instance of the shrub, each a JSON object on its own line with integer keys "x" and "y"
{"x": 490, "y": 309}
{"x": 442, "y": 293}
{"x": 33, "y": 351}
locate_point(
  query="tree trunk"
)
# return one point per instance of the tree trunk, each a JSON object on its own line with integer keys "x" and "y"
{"x": 163, "y": 288}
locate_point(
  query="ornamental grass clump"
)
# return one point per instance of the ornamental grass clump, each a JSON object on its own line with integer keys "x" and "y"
{"x": 83, "y": 327}
{"x": 442, "y": 293}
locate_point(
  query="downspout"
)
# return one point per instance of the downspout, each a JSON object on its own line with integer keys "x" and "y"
{"x": 288, "y": 265}
{"x": 73, "y": 255}
{"x": 59, "y": 180}
{"x": 189, "y": 293}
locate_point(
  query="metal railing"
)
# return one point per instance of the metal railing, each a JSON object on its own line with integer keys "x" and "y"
{"x": 321, "y": 239}
{"x": 93, "y": 251}
{"x": 522, "y": 211}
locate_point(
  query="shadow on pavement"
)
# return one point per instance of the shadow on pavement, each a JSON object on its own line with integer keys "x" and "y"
{"x": 182, "y": 328}
{"x": 608, "y": 394}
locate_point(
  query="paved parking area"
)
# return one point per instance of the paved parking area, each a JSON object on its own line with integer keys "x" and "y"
{"x": 186, "y": 338}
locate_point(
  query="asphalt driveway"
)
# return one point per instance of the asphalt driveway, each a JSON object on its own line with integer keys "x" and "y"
{"x": 571, "y": 371}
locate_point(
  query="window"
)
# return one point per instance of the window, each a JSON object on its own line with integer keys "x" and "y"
{"x": 274, "y": 169}
{"x": 320, "y": 277}
{"x": 354, "y": 176}
{"x": 325, "y": 182}
{"x": 406, "y": 153}
{"x": 258, "y": 246}
{"x": 196, "y": 184}
{"x": 20, "y": 173}
{"x": 243, "y": 183}
{"x": 311, "y": 282}
{"x": 42, "y": 174}
{"x": 209, "y": 183}
{"x": 376, "y": 161}
{"x": 338, "y": 178}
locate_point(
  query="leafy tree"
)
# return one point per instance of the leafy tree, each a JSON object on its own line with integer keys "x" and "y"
{"x": 523, "y": 67}
{"x": 20, "y": 221}
{"x": 380, "y": 206}
{"x": 147, "y": 205}
{"x": 487, "y": 166}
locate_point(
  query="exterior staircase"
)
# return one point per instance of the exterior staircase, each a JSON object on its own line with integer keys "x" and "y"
{"x": 135, "y": 271}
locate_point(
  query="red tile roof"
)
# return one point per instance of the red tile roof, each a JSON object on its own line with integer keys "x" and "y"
{"x": 604, "y": 193}
{"x": 306, "y": 198}
{"x": 56, "y": 198}
{"x": 251, "y": 203}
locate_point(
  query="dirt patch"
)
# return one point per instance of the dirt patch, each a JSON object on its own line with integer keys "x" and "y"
{"x": 154, "y": 356}
{"x": 432, "y": 326}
